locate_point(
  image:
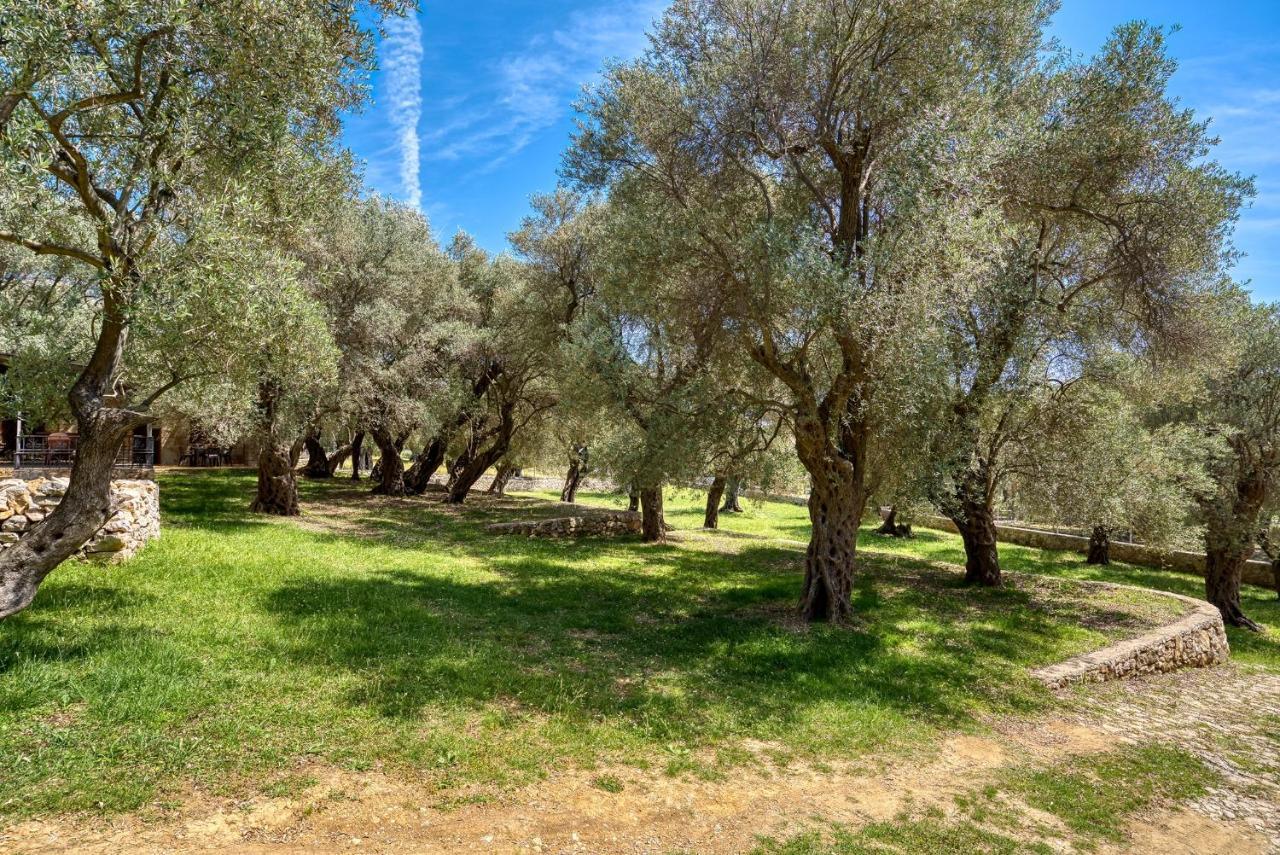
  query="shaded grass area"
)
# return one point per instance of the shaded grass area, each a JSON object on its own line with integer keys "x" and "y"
{"x": 792, "y": 522}
{"x": 1090, "y": 800}
{"x": 400, "y": 635}
{"x": 1259, "y": 603}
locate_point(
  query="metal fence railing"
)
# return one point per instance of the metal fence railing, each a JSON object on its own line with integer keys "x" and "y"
{"x": 58, "y": 451}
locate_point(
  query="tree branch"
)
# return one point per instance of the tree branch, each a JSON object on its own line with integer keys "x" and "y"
{"x": 40, "y": 248}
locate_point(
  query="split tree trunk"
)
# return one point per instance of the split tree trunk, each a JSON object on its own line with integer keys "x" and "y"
{"x": 1099, "y": 546}
{"x": 732, "y": 504}
{"x": 470, "y": 470}
{"x": 633, "y": 499}
{"x": 476, "y": 460}
{"x": 500, "y": 479}
{"x": 1224, "y": 569}
{"x": 357, "y": 453}
{"x": 653, "y": 526}
{"x": 890, "y": 524}
{"x": 569, "y": 493}
{"x": 317, "y": 460}
{"x": 338, "y": 458}
{"x": 432, "y": 457}
{"x": 277, "y": 483}
{"x": 390, "y": 468}
{"x": 711, "y": 519}
{"x": 419, "y": 475}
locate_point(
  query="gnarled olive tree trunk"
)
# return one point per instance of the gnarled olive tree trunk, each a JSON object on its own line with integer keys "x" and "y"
{"x": 82, "y": 511}
{"x": 84, "y": 508}
{"x": 357, "y": 452}
{"x": 486, "y": 448}
{"x": 732, "y": 493}
{"x": 890, "y": 524}
{"x": 470, "y": 470}
{"x": 837, "y": 499}
{"x": 277, "y": 492}
{"x": 969, "y": 507}
{"x": 1224, "y": 569}
{"x": 711, "y": 519}
{"x": 338, "y": 458}
{"x": 653, "y": 525}
{"x": 390, "y": 468}
{"x": 836, "y": 503}
{"x": 1230, "y": 535}
{"x": 891, "y": 527}
{"x": 428, "y": 462}
{"x": 1099, "y": 546}
{"x": 977, "y": 526}
{"x": 501, "y": 478}
{"x": 577, "y": 464}
{"x": 433, "y": 455}
{"x": 317, "y": 458}
{"x": 633, "y": 499}
{"x": 277, "y": 483}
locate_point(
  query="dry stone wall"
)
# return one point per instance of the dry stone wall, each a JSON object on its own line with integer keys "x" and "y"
{"x": 1254, "y": 572}
{"x": 595, "y": 524}
{"x": 1196, "y": 640}
{"x": 134, "y": 518}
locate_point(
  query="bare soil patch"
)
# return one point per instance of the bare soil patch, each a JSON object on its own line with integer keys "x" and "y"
{"x": 568, "y": 812}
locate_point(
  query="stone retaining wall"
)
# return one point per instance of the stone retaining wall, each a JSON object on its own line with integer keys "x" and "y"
{"x": 593, "y": 524}
{"x": 134, "y": 518}
{"x": 1254, "y": 572}
{"x": 1196, "y": 640}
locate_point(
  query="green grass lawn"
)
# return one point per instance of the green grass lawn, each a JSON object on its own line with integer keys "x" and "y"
{"x": 400, "y": 635}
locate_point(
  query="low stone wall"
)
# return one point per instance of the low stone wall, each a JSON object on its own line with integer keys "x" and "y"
{"x": 594, "y": 524}
{"x": 1254, "y": 573}
{"x": 1196, "y": 640}
{"x": 134, "y": 517}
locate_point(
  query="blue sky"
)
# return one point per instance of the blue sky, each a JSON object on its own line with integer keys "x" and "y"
{"x": 473, "y": 100}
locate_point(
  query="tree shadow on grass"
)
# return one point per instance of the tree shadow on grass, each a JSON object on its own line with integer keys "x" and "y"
{"x": 672, "y": 641}
{"x": 73, "y": 622}
{"x": 679, "y": 646}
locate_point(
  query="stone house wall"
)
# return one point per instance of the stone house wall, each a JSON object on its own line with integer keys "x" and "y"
{"x": 133, "y": 521}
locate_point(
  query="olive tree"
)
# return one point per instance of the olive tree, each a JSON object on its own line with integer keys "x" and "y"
{"x": 557, "y": 243}
{"x": 1105, "y": 221}
{"x": 791, "y": 159}
{"x": 399, "y": 318}
{"x": 651, "y": 377}
{"x": 1241, "y": 411}
{"x": 138, "y": 141}
{"x": 1098, "y": 457}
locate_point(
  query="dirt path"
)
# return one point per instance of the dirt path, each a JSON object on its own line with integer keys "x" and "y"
{"x": 1227, "y": 715}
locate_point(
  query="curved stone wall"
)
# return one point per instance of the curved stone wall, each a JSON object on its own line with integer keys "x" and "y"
{"x": 1196, "y": 640}
{"x": 134, "y": 518}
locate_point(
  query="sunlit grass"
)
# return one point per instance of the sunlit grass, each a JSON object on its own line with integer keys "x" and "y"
{"x": 402, "y": 635}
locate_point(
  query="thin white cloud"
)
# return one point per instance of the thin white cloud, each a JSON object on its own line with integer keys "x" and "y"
{"x": 535, "y": 87}
{"x": 403, "y": 66}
